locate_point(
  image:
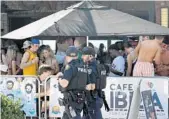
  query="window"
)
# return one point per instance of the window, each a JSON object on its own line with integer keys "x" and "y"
{"x": 96, "y": 43}
{"x": 51, "y": 43}
{"x": 164, "y": 17}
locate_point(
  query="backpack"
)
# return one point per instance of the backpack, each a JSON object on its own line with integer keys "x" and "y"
{"x": 101, "y": 79}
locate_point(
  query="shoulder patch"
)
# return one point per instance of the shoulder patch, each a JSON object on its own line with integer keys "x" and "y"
{"x": 67, "y": 67}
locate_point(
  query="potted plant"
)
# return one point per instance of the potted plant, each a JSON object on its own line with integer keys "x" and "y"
{"x": 10, "y": 109}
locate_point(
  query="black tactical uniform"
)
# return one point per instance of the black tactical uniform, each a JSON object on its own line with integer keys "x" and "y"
{"x": 74, "y": 94}
{"x": 98, "y": 97}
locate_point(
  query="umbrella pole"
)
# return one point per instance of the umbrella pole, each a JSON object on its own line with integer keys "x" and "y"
{"x": 87, "y": 40}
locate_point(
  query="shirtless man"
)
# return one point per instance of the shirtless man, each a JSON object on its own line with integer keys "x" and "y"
{"x": 163, "y": 68}
{"x": 131, "y": 57}
{"x": 148, "y": 51}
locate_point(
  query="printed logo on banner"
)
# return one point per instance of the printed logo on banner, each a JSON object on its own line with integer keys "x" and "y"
{"x": 148, "y": 104}
{"x": 150, "y": 84}
{"x": 9, "y": 84}
{"x": 9, "y": 87}
{"x": 29, "y": 91}
{"x": 155, "y": 98}
{"x": 119, "y": 94}
{"x": 10, "y": 96}
{"x": 55, "y": 110}
{"x": 22, "y": 89}
{"x": 28, "y": 88}
{"x": 159, "y": 101}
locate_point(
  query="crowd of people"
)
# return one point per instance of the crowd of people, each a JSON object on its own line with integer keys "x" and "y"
{"x": 119, "y": 59}
{"x": 148, "y": 58}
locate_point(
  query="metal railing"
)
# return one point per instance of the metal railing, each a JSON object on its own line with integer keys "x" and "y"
{"x": 40, "y": 83}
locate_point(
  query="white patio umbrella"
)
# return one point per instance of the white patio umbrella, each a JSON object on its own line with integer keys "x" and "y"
{"x": 87, "y": 19}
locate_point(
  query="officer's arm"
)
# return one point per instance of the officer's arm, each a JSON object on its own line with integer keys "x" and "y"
{"x": 67, "y": 75}
{"x": 63, "y": 82}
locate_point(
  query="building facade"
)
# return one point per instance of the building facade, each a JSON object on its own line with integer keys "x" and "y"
{"x": 162, "y": 13}
{"x": 16, "y": 14}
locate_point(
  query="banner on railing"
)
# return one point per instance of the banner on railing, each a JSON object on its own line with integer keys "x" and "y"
{"x": 154, "y": 98}
{"x": 55, "y": 110}
{"x": 119, "y": 94}
{"x": 22, "y": 89}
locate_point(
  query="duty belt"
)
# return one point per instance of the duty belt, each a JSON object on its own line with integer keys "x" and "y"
{"x": 75, "y": 96}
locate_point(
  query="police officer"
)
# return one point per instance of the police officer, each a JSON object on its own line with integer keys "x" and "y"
{"x": 97, "y": 94}
{"x": 73, "y": 83}
{"x": 86, "y": 53}
{"x": 85, "y": 61}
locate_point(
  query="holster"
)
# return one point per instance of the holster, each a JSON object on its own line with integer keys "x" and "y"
{"x": 72, "y": 96}
{"x": 101, "y": 94}
{"x": 61, "y": 102}
{"x": 75, "y": 96}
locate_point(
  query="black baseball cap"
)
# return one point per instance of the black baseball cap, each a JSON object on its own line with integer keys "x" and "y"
{"x": 72, "y": 51}
{"x": 88, "y": 51}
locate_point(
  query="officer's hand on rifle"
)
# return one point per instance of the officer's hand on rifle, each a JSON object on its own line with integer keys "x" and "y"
{"x": 93, "y": 86}
{"x": 89, "y": 87}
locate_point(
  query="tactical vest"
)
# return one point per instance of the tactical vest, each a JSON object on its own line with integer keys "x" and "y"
{"x": 79, "y": 79}
{"x": 101, "y": 79}
{"x": 89, "y": 72}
